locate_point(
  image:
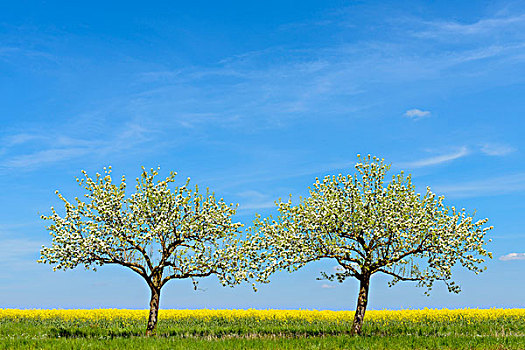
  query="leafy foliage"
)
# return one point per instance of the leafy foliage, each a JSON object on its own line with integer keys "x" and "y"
{"x": 368, "y": 225}
{"x": 158, "y": 233}
{"x": 155, "y": 230}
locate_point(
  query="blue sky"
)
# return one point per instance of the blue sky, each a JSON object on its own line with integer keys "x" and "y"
{"x": 255, "y": 101}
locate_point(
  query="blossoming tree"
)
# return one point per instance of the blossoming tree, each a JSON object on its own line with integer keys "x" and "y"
{"x": 158, "y": 233}
{"x": 368, "y": 226}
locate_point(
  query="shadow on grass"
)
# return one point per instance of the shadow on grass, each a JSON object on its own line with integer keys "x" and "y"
{"x": 74, "y": 332}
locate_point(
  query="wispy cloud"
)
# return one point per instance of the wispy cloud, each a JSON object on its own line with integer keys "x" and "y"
{"x": 41, "y": 158}
{"x": 15, "y": 53}
{"x": 20, "y": 138}
{"x": 328, "y": 286}
{"x": 15, "y": 250}
{"x": 324, "y": 79}
{"x": 256, "y": 91}
{"x": 508, "y": 184}
{"x": 255, "y": 200}
{"x": 272, "y": 86}
{"x": 436, "y": 160}
{"x": 159, "y": 75}
{"x": 512, "y": 256}
{"x": 416, "y": 114}
{"x": 494, "y": 149}
{"x": 292, "y": 170}
{"x": 18, "y": 256}
{"x": 491, "y": 25}
{"x": 30, "y": 151}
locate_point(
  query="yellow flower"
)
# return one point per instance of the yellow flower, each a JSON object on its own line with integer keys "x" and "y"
{"x": 381, "y": 316}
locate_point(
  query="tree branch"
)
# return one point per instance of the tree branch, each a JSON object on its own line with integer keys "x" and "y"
{"x": 355, "y": 273}
{"x": 399, "y": 277}
{"x": 187, "y": 275}
{"x": 133, "y": 244}
{"x": 133, "y": 266}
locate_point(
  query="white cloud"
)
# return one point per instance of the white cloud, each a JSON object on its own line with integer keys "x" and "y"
{"x": 416, "y": 114}
{"x": 491, "y": 186}
{"x": 17, "y": 250}
{"x": 252, "y": 194}
{"x": 488, "y": 26}
{"x": 255, "y": 200}
{"x": 257, "y": 205}
{"x": 327, "y": 286}
{"x": 493, "y": 149}
{"x": 45, "y": 157}
{"x": 54, "y": 148}
{"x": 158, "y": 75}
{"x": 294, "y": 170}
{"x": 20, "y": 138}
{"x": 513, "y": 256}
{"x": 460, "y": 153}
{"x": 257, "y": 91}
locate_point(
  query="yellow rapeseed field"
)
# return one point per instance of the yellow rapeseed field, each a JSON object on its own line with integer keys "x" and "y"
{"x": 421, "y": 315}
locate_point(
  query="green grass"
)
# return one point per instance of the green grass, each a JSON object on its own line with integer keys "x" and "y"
{"x": 252, "y": 333}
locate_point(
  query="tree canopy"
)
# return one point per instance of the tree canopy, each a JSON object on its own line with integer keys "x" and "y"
{"x": 372, "y": 226}
{"x": 159, "y": 233}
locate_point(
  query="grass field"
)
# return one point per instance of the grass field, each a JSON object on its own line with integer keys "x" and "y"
{"x": 262, "y": 329}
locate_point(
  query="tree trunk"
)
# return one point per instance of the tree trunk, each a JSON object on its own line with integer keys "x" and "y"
{"x": 362, "y": 301}
{"x": 153, "y": 311}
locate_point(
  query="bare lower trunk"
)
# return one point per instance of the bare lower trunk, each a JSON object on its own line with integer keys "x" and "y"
{"x": 153, "y": 311}
{"x": 362, "y": 301}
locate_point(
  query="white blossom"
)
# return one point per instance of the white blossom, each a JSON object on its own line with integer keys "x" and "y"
{"x": 368, "y": 226}
{"x": 157, "y": 232}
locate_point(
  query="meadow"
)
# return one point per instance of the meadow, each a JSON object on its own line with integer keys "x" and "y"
{"x": 262, "y": 329}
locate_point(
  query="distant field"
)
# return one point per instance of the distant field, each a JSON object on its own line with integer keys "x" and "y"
{"x": 262, "y": 329}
